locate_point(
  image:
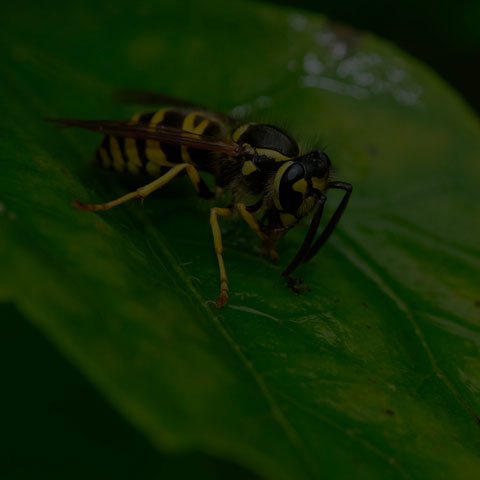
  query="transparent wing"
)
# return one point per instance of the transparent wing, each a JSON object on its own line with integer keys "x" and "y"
{"x": 145, "y": 97}
{"x": 165, "y": 134}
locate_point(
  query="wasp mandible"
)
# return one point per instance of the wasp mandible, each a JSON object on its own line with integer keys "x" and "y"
{"x": 273, "y": 184}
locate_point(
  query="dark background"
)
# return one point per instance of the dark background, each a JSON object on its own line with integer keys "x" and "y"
{"x": 443, "y": 34}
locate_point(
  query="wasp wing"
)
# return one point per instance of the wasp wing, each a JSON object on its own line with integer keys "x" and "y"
{"x": 145, "y": 97}
{"x": 161, "y": 133}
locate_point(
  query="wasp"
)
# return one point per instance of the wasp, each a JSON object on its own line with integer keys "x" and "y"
{"x": 273, "y": 184}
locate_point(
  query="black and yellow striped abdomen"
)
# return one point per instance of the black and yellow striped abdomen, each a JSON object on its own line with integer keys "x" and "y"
{"x": 151, "y": 157}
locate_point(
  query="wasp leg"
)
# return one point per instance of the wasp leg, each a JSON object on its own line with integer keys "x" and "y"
{"x": 307, "y": 242}
{"x": 347, "y": 188}
{"x": 268, "y": 246}
{"x": 217, "y": 239}
{"x": 296, "y": 285}
{"x": 218, "y": 192}
{"x": 141, "y": 192}
{"x": 200, "y": 186}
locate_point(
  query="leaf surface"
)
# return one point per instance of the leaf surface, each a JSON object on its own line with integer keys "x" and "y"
{"x": 375, "y": 373}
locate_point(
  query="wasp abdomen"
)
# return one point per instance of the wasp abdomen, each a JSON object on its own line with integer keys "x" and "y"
{"x": 152, "y": 157}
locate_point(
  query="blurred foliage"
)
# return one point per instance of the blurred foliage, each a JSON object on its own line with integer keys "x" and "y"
{"x": 374, "y": 374}
{"x": 443, "y": 34}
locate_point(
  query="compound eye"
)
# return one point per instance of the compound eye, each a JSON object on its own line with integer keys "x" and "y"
{"x": 290, "y": 191}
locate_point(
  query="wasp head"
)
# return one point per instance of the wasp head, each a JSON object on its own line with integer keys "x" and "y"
{"x": 297, "y": 186}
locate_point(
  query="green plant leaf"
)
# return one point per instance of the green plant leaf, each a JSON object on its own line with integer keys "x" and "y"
{"x": 70, "y": 424}
{"x": 375, "y": 372}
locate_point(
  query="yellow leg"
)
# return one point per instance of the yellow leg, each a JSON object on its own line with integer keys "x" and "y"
{"x": 141, "y": 192}
{"x": 200, "y": 186}
{"x": 267, "y": 243}
{"x": 217, "y": 239}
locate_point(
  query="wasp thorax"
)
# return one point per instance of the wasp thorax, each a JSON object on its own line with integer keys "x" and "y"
{"x": 267, "y": 139}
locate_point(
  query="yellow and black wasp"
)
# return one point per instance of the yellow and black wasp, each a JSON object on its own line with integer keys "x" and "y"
{"x": 273, "y": 184}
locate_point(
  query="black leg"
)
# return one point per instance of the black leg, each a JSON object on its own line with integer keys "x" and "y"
{"x": 204, "y": 191}
{"x": 333, "y": 221}
{"x": 307, "y": 242}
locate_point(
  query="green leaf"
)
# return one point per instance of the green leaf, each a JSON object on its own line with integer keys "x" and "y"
{"x": 375, "y": 373}
{"x": 69, "y": 423}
